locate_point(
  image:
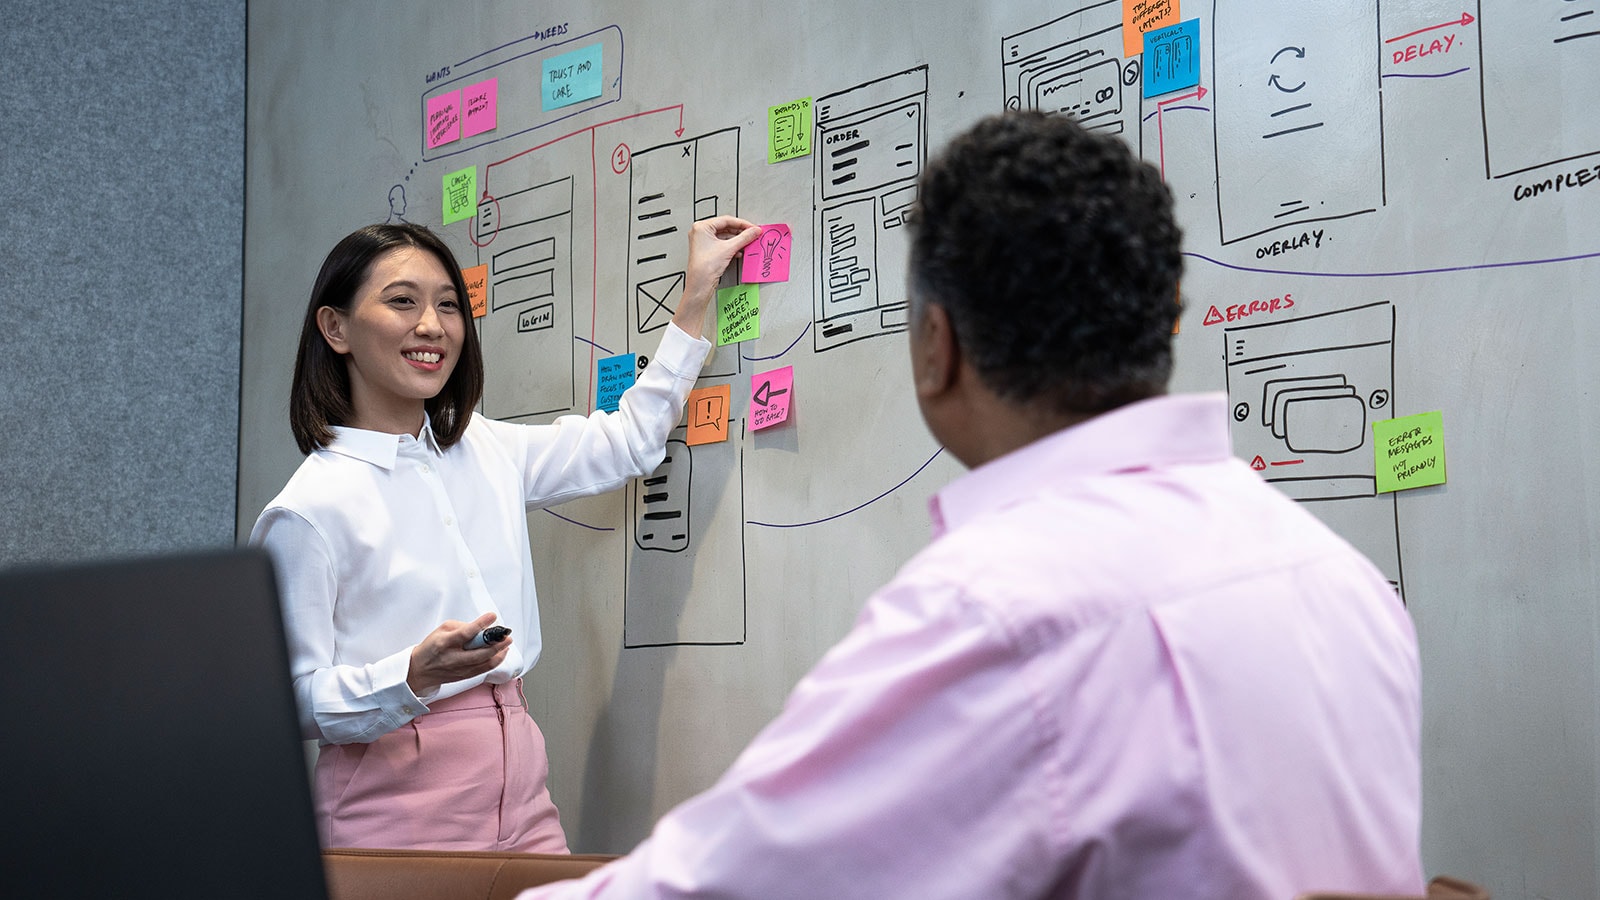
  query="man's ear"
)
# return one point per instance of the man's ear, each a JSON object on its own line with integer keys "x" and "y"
{"x": 935, "y": 353}
{"x": 331, "y": 323}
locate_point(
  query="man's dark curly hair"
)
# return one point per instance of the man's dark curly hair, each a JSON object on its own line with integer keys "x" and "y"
{"x": 1055, "y": 253}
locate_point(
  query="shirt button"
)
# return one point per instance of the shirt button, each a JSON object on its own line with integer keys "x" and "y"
{"x": 425, "y": 469}
{"x": 472, "y": 574}
{"x": 406, "y": 710}
{"x": 449, "y": 521}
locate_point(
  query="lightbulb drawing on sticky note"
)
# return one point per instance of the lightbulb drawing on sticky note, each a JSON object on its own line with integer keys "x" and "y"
{"x": 768, "y": 258}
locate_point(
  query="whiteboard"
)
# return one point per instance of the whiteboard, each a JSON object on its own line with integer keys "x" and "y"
{"x": 1388, "y": 209}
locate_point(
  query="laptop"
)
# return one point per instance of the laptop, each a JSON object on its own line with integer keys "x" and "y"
{"x": 151, "y": 746}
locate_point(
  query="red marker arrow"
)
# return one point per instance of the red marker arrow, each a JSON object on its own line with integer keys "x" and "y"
{"x": 1466, "y": 19}
{"x": 1198, "y": 93}
{"x": 679, "y": 132}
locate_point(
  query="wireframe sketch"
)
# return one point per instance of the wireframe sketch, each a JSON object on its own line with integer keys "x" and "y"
{"x": 1526, "y": 129}
{"x": 1074, "y": 65}
{"x": 673, "y": 597}
{"x": 1296, "y": 83}
{"x": 525, "y": 238}
{"x": 671, "y": 187}
{"x": 870, "y": 144}
{"x": 1304, "y": 394}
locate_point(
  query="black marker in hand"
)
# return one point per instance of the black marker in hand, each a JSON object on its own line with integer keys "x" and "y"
{"x": 494, "y": 634}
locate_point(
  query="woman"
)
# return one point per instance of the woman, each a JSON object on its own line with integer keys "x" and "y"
{"x": 404, "y": 534}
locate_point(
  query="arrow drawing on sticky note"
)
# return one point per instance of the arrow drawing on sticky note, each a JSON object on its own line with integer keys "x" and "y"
{"x": 764, "y": 394}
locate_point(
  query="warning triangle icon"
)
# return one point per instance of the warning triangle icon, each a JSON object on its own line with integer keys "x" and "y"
{"x": 1213, "y": 316}
{"x": 1259, "y": 464}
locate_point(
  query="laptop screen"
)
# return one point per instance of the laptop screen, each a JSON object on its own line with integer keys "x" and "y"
{"x": 151, "y": 746}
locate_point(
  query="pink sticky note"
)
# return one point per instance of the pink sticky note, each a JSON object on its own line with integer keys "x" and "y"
{"x": 444, "y": 119}
{"x": 480, "y": 107}
{"x": 768, "y": 258}
{"x": 770, "y": 394}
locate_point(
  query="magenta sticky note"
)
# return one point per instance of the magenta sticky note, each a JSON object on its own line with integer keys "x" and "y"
{"x": 768, "y": 258}
{"x": 444, "y": 119}
{"x": 479, "y": 102}
{"x": 770, "y": 396}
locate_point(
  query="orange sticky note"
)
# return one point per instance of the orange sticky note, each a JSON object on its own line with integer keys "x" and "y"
{"x": 708, "y": 414}
{"x": 477, "y": 279}
{"x": 1139, "y": 16}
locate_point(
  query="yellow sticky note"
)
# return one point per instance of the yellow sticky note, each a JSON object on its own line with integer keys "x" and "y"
{"x": 1140, "y": 16}
{"x": 477, "y": 279}
{"x": 708, "y": 414}
{"x": 1410, "y": 451}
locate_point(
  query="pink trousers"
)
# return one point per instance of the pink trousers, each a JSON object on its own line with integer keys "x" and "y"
{"x": 470, "y": 774}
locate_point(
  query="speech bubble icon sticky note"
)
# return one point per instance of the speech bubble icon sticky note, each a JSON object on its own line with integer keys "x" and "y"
{"x": 477, "y": 279}
{"x": 768, "y": 258}
{"x": 614, "y": 374}
{"x": 770, "y": 396}
{"x": 460, "y": 194}
{"x": 1410, "y": 451}
{"x": 707, "y": 412}
{"x": 479, "y": 104}
{"x": 738, "y": 314}
{"x": 444, "y": 119}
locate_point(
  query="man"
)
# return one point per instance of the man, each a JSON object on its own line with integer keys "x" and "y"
{"x": 1124, "y": 666}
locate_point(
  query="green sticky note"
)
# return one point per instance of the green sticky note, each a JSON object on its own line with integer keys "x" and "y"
{"x": 1410, "y": 451}
{"x": 460, "y": 194}
{"x": 789, "y": 130}
{"x": 738, "y": 314}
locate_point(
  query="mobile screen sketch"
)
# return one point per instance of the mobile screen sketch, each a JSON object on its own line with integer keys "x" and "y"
{"x": 1303, "y": 85}
{"x": 870, "y": 144}
{"x": 1074, "y": 65}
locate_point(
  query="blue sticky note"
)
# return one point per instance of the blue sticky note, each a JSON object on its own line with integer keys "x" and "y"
{"x": 1172, "y": 58}
{"x": 614, "y": 377}
{"x": 572, "y": 77}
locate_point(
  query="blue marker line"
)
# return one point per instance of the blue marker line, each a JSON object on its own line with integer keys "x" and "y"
{"x": 858, "y": 508}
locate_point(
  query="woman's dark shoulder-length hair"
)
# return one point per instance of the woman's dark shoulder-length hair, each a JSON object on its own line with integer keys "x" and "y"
{"x": 320, "y": 396}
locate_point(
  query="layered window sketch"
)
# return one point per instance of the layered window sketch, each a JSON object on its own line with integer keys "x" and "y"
{"x": 1304, "y": 394}
{"x": 1074, "y": 65}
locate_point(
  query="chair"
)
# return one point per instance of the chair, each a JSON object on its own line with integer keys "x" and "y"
{"x": 1441, "y": 888}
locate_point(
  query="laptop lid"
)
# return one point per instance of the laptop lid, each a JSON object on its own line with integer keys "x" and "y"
{"x": 151, "y": 746}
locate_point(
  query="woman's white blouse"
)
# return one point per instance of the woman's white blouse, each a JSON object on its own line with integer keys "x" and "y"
{"x": 379, "y": 538}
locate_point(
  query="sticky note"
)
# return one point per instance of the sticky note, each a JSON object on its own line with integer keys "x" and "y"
{"x": 768, "y": 258}
{"x": 572, "y": 77}
{"x": 460, "y": 194}
{"x": 708, "y": 414}
{"x": 770, "y": 395}
{"x": 738, "y": 314}
{"x": 1410, "y": 451}
{"x": 444, "y": 119}
{"x": 480, "y": 101}
{"x": 1172, "y": 58}
{"x": 615, "y": 374}
{"x": 789, "y": 130}
{"x": 1142, "y": 16}
{"x": 477, "y": 279}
